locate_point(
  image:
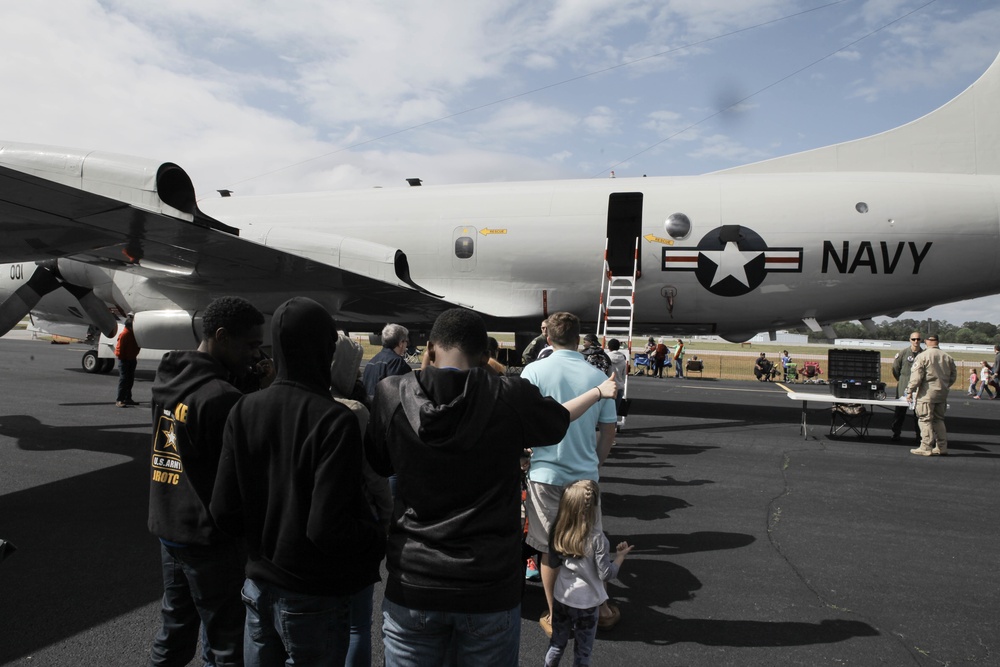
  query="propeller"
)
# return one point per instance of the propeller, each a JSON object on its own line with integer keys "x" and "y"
{"x": 44, "y": 280}
{"x": 96, "y": 309}
{"x": 26, "y": 297}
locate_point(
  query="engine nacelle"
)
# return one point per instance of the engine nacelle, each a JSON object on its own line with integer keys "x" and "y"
{"x": 175, "y": 329}
{"x": 167, "y": 329}
{"x": 162, "y": 187}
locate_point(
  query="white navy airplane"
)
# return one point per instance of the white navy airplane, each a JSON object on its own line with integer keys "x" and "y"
{"x": 895, "y": 222}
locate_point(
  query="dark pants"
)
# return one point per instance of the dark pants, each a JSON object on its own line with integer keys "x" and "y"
{"x": 580, "y": 624}
{"x": 359, "y": 651}
{"x": 201, "y": 587}
{"x": 899, "y": 419}
{"x": 126, "y": 377}
{"x": 289, "y": 628}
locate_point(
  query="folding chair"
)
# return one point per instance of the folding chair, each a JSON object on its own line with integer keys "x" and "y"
{"x": 791, "y": 372}
{"x": 640, "y": 362}
{"x": 811, "y": 371}
{"x": 849, "y": 418}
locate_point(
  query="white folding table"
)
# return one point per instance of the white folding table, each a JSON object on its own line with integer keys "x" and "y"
{"x": 887, "y": 403}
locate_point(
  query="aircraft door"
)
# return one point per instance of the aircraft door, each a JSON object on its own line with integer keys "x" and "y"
{"x": 624, "y": 227}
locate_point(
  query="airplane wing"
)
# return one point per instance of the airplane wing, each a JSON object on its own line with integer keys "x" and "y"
{"x": 121, "y": 214}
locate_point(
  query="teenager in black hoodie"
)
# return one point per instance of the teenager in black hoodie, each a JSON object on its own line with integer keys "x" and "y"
{"x": 454, "y": 434}
{"x": 202, "y": 567}
{"x": 290, "y": 482}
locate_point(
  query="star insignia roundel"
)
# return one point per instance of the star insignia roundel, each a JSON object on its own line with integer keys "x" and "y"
{"x": 732, "y": 260}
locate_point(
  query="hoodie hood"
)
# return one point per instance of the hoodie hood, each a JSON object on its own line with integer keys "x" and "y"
{"x": 303, "y": 338}
{"x": 346, "y": 362}
{"x": 181, "y": 372}
{"x": 445, "y": 407}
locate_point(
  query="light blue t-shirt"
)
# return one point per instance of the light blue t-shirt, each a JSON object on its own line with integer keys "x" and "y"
{"x": 564, "y": 375}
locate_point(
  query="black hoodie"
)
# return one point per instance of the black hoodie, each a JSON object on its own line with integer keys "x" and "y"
{"x": 290, "y": 474}
{"x": 191, "y": 400}
{"x": 454, "y": 439}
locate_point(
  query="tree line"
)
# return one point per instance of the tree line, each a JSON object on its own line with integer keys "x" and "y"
{"x": 973, "y": 333}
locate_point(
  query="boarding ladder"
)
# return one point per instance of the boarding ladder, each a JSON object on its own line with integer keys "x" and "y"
{"x": 616, "y": 309}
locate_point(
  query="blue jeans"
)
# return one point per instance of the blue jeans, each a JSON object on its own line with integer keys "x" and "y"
{"x": 415, "y": 638}
{"x": 567, "y": 621}
{"x": 359, "y": 653}
{"x": 201, "y": 589}
{"x": 288, "y": 628}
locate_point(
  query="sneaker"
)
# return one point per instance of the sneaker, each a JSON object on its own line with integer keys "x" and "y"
{"x": 546, "y": 624}
{"x": 937, "y": 451}
{"x": 920, "y": 451}
{"x": 121, "y": 404}
{"x": 531, "y": 572}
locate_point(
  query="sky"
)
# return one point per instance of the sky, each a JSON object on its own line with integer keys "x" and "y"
{"x": 262, "y": 96}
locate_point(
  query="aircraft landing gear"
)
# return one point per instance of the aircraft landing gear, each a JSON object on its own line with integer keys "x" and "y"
{"x": 94, "y": 364}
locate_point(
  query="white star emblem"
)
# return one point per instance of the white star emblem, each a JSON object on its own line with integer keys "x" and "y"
{"x": 171, "y": 437}
{"x": 731, "y": 261}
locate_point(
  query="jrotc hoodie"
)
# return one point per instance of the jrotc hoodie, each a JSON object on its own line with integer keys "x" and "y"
{"x": 191, "y": 400}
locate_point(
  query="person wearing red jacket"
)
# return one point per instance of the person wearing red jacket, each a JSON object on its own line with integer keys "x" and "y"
{"x": 127, "y": 351}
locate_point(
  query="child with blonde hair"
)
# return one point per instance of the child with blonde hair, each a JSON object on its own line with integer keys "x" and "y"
{"x": 586, "y": 564}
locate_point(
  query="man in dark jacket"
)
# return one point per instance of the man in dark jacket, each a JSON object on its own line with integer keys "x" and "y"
{"x": 389, "y": 361}
{"x": 202, "y": 567}
{"x": 454, "y": 434}
{"x": 289, "y": 482}
{"x": 901, "y": 366}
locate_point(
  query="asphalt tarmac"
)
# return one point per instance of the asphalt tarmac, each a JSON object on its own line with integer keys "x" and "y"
{"x": 754, "y": 546}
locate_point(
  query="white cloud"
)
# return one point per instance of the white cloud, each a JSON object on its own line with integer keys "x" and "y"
{"x": 601, "y": 120}
{"x": 525, "y": 121}
{"x": 230, "y": 89}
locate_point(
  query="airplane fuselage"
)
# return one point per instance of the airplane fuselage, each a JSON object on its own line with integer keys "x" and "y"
{"x": 898, "y": 221}
{"x": 763, "y": 252}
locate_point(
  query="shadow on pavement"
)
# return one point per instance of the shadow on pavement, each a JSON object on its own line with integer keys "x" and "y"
{"x": 93, "y": 560}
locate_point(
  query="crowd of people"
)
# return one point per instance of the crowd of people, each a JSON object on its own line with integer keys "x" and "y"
{"x": 276, "y": 501}
{"x": 274, "y": 511}
{"x": 986, "y": 380}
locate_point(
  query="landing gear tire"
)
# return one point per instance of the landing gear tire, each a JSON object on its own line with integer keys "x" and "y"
{"x": 90, "y": 362}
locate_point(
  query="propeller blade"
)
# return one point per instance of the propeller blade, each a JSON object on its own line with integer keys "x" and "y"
{"x": 26, "y": 297}
{"x": 96, "y": 309}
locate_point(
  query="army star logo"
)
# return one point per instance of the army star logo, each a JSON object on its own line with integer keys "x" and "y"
{"x": 171, "y": 437}
{"x": 732, "y": 260}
